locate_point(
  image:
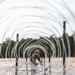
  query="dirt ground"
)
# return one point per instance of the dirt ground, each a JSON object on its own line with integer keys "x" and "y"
{"x": 7, "y": 66}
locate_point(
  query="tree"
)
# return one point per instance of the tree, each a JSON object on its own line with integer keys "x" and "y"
{"x": 7, "y": 47}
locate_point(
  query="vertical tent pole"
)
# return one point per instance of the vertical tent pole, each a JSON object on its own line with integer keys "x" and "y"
{"x": 44, "y": 66}
{"x": 17, "y": 39}
{"x": 49, "y": 62}
{"x": 64, "y": 54}
{"x": 74, "y": 43}
{"x": 26, "y": 65}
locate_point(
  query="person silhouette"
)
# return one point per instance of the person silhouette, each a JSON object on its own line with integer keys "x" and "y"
{"x": 35, "y": 55}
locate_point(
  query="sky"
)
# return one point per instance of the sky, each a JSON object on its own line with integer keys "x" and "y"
{"x": 36, "y": 18}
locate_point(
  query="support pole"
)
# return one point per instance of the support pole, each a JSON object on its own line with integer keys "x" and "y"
{"x": 74, "y": 43}
{"x": 64, "y": 49}
{"x": 26, "y": 65}
{"x": 44, "y": 66}
{"x": 49, "y": 62}
{"x": 17, "y": 39}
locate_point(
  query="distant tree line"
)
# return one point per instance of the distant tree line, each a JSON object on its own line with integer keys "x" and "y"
{"x": 51, "y": 44}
